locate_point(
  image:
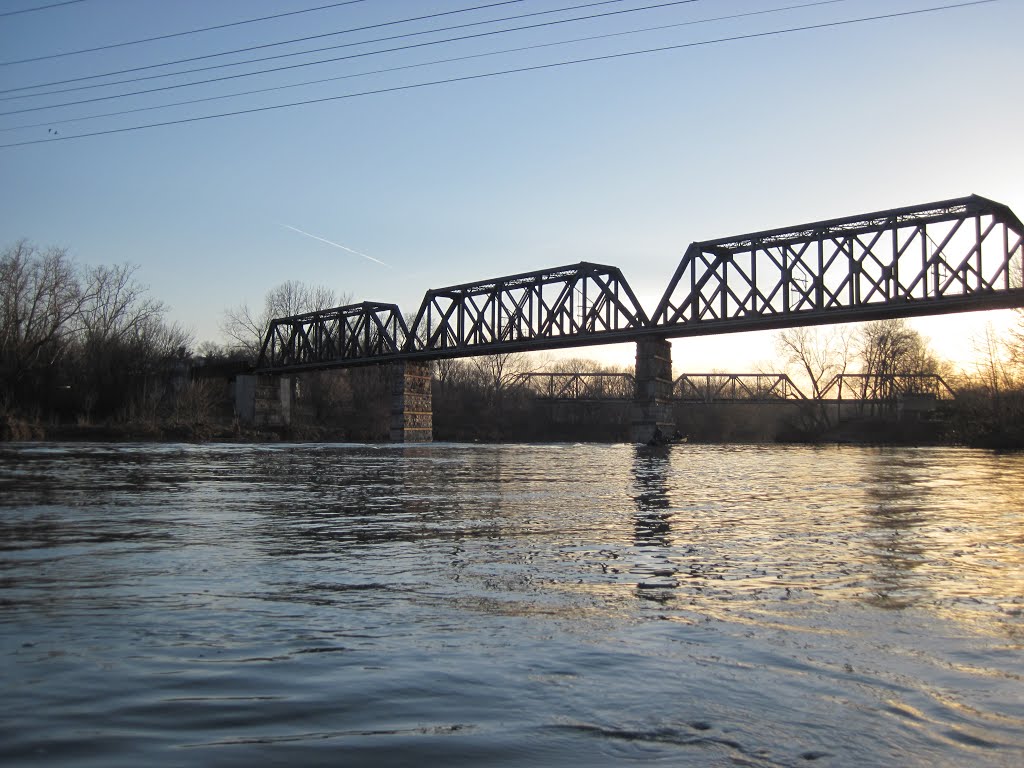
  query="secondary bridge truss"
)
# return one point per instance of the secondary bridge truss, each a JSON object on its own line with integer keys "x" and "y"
{"x": 953, "y": 255}
{"x": 579, "y": 386}
{"x": 737, "y": 387}
{"x": 886, "y": 387}
{"x": 748, "y": 387}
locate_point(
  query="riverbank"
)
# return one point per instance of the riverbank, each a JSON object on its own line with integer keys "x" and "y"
{"x": 17, "y": 430}
{"x": 963, "y": 429}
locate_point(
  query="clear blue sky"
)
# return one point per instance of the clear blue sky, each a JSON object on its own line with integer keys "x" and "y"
{"x": 621, "y": 162}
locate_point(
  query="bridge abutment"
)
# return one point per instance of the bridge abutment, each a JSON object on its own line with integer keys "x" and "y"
{"x": 652, "y": 419}
{"x": 412, "y": 417}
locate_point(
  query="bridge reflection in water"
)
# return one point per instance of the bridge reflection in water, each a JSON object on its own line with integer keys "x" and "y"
{"x": 954, "y": 255}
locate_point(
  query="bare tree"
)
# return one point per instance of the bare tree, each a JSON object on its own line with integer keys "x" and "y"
{"x": 891, "y": 348}
{"x": 496, "y": 373}
{"x": 40, "y": 301}
{"x": 115, "y": 305}
{"x": 994, "y": 361}
{"x": 449, "y": 371}
{"x": 244, "y": 328}
{"x": 820, "y": 355}
{"x": 1015, "y": 344}
{"x": 124, "y": 342}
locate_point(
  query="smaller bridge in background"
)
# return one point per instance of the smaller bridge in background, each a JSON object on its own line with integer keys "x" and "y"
{"x": 751, "y": 388}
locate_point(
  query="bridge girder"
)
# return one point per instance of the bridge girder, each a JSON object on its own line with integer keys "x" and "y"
{"x": 351, "y": 334}
{"x": 953, "y": 255}
{"x": 561, "y": 307}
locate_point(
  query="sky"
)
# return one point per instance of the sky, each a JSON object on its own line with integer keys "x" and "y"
{"x": 622, "y": 161}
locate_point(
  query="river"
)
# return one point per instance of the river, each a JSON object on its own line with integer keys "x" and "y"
{"x": 238, "y": 605}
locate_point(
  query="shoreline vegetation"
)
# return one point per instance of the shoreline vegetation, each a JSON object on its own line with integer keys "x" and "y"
{"x": 968, "y": 422}
{"x": 86, "y": 354}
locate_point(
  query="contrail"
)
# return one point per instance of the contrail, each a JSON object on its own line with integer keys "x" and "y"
{"x": 337, "y": 245}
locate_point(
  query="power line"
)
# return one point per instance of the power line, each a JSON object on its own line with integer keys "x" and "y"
{"x": 172, "y": 34}
{"x": 283, "y": 55}
{"x": 434, "y": 62}
{"x": 41, "y": 7}
{"x": 517, "y": 70}
{"x": 23, "y": 110}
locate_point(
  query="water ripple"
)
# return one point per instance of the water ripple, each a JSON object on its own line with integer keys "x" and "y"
{"x": 454, "y": 604}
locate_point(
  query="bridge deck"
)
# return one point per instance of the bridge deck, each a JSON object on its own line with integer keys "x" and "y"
{"x": 949, "y": 256}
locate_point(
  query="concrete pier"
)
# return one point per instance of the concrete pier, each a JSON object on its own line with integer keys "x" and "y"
{"x": 652, "y": 419}
{"x": 412, "y": 418}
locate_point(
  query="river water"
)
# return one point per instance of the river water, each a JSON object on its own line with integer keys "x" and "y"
{"x": 238, "y": 605}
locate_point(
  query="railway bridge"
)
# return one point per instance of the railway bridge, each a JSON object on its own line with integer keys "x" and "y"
{"x": 955, "y": 255}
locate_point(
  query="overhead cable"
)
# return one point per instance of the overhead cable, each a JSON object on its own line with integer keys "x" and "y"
{"x": 364, "y": 54}
{"x": 499, "y": 73}
{"x": 40, "y": 8}
{"x": 418, "y": 65}
{"x": 279, "y": 56}
{"x": 176, "y": 34}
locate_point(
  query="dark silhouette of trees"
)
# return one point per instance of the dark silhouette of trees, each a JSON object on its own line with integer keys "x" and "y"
{"x": 41, "y": 301}
{"x": 889, "y": 349}
{"x": 78, "y": 342}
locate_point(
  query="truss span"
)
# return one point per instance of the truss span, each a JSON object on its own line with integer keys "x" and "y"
{"x": 352, "y": 334}
{"x": 885, "y": 387}
{"x": 757, "y": 388}
{"x": 579, "y": 386}
{"x": 564, "y": 307}
{"x": 949, "y": 256}
{"x": 730, "y": 387}
{"x": 953, "y": 255}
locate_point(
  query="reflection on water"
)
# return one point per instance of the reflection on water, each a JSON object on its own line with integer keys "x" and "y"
{"x": 899, "y": 497}
{"x": 752, "y": 605}
{"x": 653, "y": 524}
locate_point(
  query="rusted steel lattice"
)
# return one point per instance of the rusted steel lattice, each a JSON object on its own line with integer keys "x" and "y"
{"x": 569, "y": 306}
{"x": 941, "y": 257}
{"x": 367, "y": 332}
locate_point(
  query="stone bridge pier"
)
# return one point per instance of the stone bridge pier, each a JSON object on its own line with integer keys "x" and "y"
{"x": 652, "y": 419}
{"x": 412, "y": 418}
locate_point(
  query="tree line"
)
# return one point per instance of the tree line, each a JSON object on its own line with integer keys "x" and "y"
{"x": 77, "y": 342}
{"x": 88, "y": 345}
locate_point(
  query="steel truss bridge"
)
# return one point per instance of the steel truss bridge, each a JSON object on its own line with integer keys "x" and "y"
{"x": 736, "y": 387}
{"x": 948, "y": 256}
